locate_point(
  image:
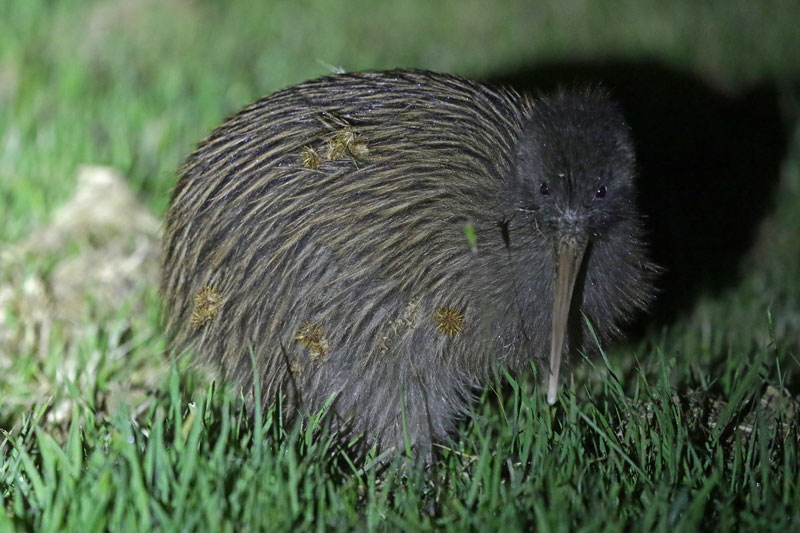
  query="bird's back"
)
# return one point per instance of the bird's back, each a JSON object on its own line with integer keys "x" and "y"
{"x": 322, "y": 227}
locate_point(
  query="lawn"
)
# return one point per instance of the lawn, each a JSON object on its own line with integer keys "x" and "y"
{"x": 692, "y": 423}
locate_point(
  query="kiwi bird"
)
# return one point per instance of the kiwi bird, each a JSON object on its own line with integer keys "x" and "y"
{"x": 382, "y": 243}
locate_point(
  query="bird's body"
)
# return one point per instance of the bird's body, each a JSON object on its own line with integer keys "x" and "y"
{"x": 325, "y": 229}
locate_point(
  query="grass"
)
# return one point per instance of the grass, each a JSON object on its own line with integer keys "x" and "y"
{"x": 692, "y": 426}
{"x": 600, "y": 459}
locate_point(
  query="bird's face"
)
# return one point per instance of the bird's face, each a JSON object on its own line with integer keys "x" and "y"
{"x": 573, "y": 186}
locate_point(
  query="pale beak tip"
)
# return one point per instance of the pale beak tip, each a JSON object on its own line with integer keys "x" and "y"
{"x": 552, "y": 392}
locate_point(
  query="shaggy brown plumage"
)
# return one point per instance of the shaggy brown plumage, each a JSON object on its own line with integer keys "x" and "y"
{"x": 329, "y": 219}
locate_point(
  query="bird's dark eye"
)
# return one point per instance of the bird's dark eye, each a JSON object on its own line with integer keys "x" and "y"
{"x": 544, "y": 189}
{"x": 601, "y": 192}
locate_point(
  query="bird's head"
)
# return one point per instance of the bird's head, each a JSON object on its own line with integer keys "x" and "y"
{"x": 573, "y": 188}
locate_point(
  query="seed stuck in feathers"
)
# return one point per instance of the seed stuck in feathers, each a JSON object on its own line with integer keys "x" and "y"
{"x": 394, "y": 327}
{"x": 310, "y": 335}
{"x": 310, "y": 158}
{"x": 346, "y": 143}
{"x": 336, "y": 149}
{"x": 358, "y": 148}
{"x": 296, "y": 368}
{"x": 206, "y": 307}
{"x": 449, "y": 321}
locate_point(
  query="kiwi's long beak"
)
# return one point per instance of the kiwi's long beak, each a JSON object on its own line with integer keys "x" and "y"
{"x": 568, "y": 256}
